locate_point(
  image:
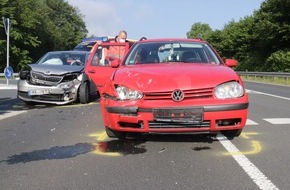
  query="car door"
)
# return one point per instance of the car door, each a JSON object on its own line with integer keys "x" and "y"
{"x": 99, "y": 67}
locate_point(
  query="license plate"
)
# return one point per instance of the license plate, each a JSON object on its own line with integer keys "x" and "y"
{"x": 192, "y": 115}
{"x": 37, "y": 92}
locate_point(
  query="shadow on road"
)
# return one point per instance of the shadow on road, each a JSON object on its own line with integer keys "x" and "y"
{"x": 118, "y": 147}
{"x": 58, "y": 152}
{"x": 8, "y": 104}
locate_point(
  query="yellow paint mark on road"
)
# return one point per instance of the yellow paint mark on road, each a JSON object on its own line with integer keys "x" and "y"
{"x": 256, "y": 149}
{"x": 247, "y": 135}
{"x": 101, "y": 149}
{"x": 100, "y": 136}
{"x": 77, "y": 105}
{"x": 101, "y": 146}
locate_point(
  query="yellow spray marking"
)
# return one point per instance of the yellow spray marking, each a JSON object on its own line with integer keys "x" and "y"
{"x": 255, "y": 144}
{"x": 246, "y": 135}
{"x": 77, "y": 105}
{"x": 101, "y": 147}
{"x": 256, "y": 149}
{"x": 100, "y": 150}
{"x": 100, "y": 136}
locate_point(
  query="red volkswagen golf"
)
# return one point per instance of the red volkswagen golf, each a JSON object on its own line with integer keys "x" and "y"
{"x": 169, "y": 86}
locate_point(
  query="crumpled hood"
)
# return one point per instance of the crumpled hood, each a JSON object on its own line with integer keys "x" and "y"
{"x": 55, "y": 69}
{"x": 161, "y": 77}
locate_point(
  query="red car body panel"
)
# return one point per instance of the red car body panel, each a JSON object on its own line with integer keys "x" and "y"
{"x": 99, "y": 73}
{"x": 157, "y": 82}
{"x": 150, "y": 78}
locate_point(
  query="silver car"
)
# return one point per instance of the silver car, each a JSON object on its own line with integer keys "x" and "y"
{"x": 56, "y": 78}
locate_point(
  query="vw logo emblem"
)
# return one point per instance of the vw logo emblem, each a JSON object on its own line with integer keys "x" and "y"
{"x": 177, "y": 95}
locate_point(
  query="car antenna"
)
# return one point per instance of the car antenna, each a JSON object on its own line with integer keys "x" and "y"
{"x": 143, "y": 38}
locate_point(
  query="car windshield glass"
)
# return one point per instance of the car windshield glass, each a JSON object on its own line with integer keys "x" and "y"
{"x": 64, "y": 58}
{"x": 85, "y": 46}
{"x": 170, "y": 52}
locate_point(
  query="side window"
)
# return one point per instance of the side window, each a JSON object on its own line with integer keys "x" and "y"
{"x": 99, "y": 57}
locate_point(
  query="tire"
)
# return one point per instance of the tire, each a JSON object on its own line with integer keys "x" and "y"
{"x": 115, "y": 134}
{"x": 84, "y": 93}
{"x": 232, "y": 133}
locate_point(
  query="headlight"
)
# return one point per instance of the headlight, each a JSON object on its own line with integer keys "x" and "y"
{"x": 229, "y": 90}
{"x": 125, "y": 93}
{"x": 69, "y": 77}
{"x": 66, "y": 86}
{"x": 23, "y": 74}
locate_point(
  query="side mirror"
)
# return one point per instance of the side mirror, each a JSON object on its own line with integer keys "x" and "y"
{"x": 115, "y": 63}
{"x": 231, "y": 62}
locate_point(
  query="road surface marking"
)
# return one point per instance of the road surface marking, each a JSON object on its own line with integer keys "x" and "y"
{"x": 256, "y": 149}
{"x": 251, "y": 122}
{"x": 247, "y": 135}
{"x": 278, "y": 120}
{"x": 100, "y": 136}
{"x": 8, "y": 87}
{"x": 6, "y": 114}
{"x": 272, "y": 95}
{"x": 253, "y": 172}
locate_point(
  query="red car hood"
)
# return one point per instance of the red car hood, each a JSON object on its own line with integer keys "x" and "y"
{"x": 161, "y": 77}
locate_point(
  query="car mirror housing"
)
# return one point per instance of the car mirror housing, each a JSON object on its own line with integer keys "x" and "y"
{"x": 231, "y": 62}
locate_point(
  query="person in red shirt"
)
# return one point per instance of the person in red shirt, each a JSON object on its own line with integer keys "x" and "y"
{"x": 117, "y": 52}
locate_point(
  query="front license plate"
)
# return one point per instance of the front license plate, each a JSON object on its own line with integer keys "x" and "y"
{"x": 192, "y": 115}
{"x": 37, "y": 92}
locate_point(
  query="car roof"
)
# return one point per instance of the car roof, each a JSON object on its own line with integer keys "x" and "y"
{"x": 69, "y": 51}
{"x": 173, "y": 39}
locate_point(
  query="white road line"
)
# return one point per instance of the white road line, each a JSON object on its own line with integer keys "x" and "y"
{"x": 278, "y": 120}
{"x": 251, "y": 122}
{"x": 8, "y": 87}
{"x": 272, "y": 95}
{"x": 253, "y": 172}
{"x": 4, "y": 114}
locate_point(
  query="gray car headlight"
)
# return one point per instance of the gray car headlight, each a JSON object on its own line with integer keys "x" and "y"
{"x": 229, "y": 90}
{"x": 125, "y": 93}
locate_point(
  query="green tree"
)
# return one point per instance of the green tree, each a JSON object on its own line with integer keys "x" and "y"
{"x": 271, "y": 31}
{"x": 39, "y": 26}
{"x": 234, "y": 42}
{"x": 278, "y": 61}
{"x": 260, "y": 42}
{"x": 199, "y": 30}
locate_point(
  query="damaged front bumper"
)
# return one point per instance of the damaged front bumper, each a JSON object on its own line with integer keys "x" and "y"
{"x": 63, "y": 93}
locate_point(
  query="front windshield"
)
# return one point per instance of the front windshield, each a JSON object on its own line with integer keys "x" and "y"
{"x": 164, "y": 52}
{"x": 64, "y": 58}
{"x": 85, "y": 46}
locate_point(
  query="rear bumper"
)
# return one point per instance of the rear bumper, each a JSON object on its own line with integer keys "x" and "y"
{"x": 215, "y": 118}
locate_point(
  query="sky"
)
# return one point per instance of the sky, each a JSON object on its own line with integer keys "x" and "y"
{"x": 159, "y": 18}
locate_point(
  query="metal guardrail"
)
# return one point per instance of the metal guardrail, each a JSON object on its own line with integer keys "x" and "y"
{"x": 263, "y": 75}
{"x": 14, "y": 75}
{"x": 245, "y": 74}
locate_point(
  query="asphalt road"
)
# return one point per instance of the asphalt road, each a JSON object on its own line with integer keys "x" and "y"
{"x": 65, "y": 147}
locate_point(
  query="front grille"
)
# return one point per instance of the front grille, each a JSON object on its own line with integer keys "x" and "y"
{"x": 188, "y": 94}
{"x": 43, "y": 79}
{"x": 49, "y": 97}
{"x": 171, "y": 125}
